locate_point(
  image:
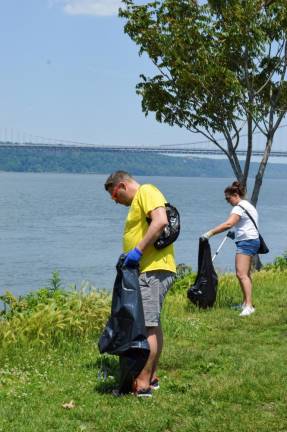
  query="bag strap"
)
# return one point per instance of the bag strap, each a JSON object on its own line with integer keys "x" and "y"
{"x": 248, "y": 214}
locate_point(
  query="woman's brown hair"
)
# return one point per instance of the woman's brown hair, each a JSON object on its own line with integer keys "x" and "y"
{"x": 235, "y": 188}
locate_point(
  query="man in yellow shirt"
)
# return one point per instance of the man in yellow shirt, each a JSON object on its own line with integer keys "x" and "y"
{"x": 157, "y": 267}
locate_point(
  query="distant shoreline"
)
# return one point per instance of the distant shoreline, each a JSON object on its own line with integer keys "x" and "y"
{"x": 76, "y": 161}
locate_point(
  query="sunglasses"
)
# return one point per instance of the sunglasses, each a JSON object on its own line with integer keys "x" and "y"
{"x": 116, "y": 189}
{"x": 227, "y": 198}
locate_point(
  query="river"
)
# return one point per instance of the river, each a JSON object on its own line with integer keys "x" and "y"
{"x": 68, "y": 223}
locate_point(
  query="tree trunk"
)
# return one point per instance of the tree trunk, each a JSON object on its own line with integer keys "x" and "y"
{"x": 261, "y": 170}
{"x": 249, "y": 149}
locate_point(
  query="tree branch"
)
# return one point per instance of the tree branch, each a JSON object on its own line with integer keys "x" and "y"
{"x": 249, "y": 148}
{"x": 236, "y": 134}
{"x": 257, "y": 125}
{"x": 278, "y": 121}
{"x": 273, "y": 71}
{"x": 232, "y": 156}
{"x": 283, "y": 73}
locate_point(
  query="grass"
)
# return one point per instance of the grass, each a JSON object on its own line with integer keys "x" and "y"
{"x": 218, "y": 372}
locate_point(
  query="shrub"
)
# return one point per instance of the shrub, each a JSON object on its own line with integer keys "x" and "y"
{"x": 49, "y": 315}
{"x": 279, "y": 263}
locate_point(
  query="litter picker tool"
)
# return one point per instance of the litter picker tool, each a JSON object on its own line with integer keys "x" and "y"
{"x": 230, "y": 235}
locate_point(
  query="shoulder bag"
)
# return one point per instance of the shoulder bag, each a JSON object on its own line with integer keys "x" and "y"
{"x": 263, "y": 248}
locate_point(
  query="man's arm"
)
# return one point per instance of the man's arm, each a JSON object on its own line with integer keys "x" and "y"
{"x": 158, "y": 223}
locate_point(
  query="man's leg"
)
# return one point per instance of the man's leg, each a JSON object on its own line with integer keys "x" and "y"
{"x": 154, "y": 287}
{"x": 159, "y": 338}
{"x": 154, "y": 337}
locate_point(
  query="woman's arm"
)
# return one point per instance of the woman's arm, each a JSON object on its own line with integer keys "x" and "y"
{"x": 229, "y": 223}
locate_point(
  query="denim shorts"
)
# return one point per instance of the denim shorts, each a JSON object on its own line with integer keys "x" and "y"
{"x": 154, "y": 285}
{"x": 247, "y": 247}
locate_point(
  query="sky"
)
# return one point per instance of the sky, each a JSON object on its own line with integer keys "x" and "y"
{"x": 69, "y": 72}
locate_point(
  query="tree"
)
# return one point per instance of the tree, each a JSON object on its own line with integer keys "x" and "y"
{"x": 221, "y": 68}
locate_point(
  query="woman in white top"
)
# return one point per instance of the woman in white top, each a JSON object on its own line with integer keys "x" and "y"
{"x": 246, "y": 239}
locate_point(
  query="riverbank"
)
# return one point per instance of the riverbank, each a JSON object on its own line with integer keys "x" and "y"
{"x": 218, "y": 372}
{"x": 89, "y": 161}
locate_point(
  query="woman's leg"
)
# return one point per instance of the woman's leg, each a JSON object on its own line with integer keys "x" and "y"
{"x": 243, "y": 265}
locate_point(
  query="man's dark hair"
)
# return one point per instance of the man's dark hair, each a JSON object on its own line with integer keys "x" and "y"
{"x": 115, "y": 178}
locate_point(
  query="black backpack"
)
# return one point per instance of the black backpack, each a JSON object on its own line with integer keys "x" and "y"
{"x": 171, "y": 231}
{"x": 203, "y": 292}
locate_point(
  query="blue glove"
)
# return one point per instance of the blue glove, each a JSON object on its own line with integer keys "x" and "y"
{"x": 133, "y": 257}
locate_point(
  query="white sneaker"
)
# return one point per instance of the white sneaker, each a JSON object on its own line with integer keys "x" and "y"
{"x": 239, "y": 306}
{"x": 247, "y": 310}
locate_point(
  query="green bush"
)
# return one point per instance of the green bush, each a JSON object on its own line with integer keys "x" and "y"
{"x": 49, "y": 315}
{"x": 279, "y": 263}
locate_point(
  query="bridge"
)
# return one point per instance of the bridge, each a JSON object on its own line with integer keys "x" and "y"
{"x": 14, "y": 138}
{"x": 187, "y": 149}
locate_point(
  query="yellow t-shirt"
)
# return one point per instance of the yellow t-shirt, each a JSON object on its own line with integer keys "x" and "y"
{"x": 147, "y": 198}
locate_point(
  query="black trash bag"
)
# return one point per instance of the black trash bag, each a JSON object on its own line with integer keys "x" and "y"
{"x": 203, "y": 292}
{"x": 125, "y": 333}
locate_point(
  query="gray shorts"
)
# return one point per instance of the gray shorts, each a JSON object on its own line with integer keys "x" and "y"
{"x": 154, "y": 285}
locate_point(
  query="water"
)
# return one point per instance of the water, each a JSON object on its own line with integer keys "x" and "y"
{"x": 67, "y": 222}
